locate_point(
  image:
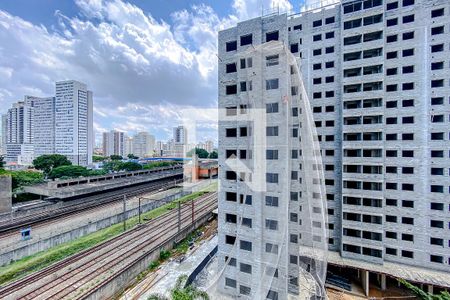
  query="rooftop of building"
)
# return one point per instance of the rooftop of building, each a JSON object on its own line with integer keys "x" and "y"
{"x": 86, "y": 185}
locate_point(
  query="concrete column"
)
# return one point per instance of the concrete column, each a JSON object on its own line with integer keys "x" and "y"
{"x": 383, "y": 282}
{"x": 430, "y": 289}
{"x": 5, "y": 194}
{"x": 365, "y": 281}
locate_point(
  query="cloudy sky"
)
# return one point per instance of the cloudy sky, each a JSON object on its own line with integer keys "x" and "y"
{"x": 145, "y": 60}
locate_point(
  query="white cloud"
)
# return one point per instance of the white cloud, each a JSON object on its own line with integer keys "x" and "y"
{"x": 246, "y": 9}
{"x": 142, "y": 71}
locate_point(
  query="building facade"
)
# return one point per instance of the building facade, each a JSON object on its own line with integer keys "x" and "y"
{"x": 74, "y": 133}
{"x": 376, "y": 73}
{"x": 43, "y": 124}
{"x": 180, "y": 135}
{"x": 143, "y": 144}
{"x": 114, "y": 143}
{"x": 4, "y": 133}
{"x": 19, "y": 134}
{"x": 180, "y": 141}
{"x": 51, "y": 125}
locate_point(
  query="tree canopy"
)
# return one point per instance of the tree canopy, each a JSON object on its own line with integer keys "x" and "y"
{"x": 23, "y": 178}
{"x": 116, "y": 157}
{"x": 201, "y": 153}
{"x": 48, "y": 162}
{"x": 132, "y": 156}
{"x": 131, "y": 166}
{"x": 117, "y": 166}
{"x": 2, "y": 162}
{"x": 73, "y": 172}
{"x": 213, "y": 155}
{"x": 68, "y": 172}
{"x": 98, "y": 158}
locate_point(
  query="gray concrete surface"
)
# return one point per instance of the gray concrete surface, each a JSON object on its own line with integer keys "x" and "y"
{"x": 5, "y": 194}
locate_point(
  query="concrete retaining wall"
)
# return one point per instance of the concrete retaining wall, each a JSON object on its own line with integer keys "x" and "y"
{"x": 118, "y": 284}
{"x": 32, "y": 248}
{"x": 5, "y": 194}
{"x": 26, "y": 210}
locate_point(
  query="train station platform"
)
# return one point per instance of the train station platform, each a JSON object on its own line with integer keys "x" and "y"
{"x": 62, "y": 189}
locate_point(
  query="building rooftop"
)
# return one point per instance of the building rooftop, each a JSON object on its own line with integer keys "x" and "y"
{"x": 85, "y": 185}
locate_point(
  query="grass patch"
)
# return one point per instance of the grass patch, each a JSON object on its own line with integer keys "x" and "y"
{"x": 40, "y": 260}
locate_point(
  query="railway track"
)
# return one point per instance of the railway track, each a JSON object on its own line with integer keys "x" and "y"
{"x": 89, "y": 202}
{"x": 80, "y": 275}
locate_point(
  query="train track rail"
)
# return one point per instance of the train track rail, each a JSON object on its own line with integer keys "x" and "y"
{"x": 82, "y": 274}
{"x": 88, "y": 203}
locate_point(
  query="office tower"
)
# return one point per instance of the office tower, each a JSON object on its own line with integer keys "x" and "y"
{"x": 4, "y": 132}
{"x": 128, "y": 145}
{"x": 376, "y": 73}
{"x": 113, "y": 143}
{"x": 74, "y": 133}
{"x": 19, "y": 134}
{"x": 43, "y": 124}
{"x": 180, "y": 141}
{"x": 143, "y": 144}
{"x": 180, "y": 135}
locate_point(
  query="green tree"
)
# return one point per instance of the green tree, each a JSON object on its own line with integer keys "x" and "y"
{"x": 97, "y": 172}
{"x": 159, "y": 164}
{"x": 48, "y": 162}
{"x": 116, "y": 157}
{"x": 2, "y": 162}
{"x": 132, "y": 156}
{"x": 201, "y": 153}
{"x": 130, "y": 166}
{"x": 213, "y": 155}
{"x": 182, "y": 292}
{"x": 112, "y": 166}
{"x": 23, "y": 178}
{"x": 68, "y": 172}
{"x": 98, "y": 158}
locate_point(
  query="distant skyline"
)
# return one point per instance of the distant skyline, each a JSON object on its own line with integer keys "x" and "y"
{"x": 145, "y": 61}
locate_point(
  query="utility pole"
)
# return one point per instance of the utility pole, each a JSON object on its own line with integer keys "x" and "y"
{"x": 179, "y": 216}
{"x": 139, "y": 210}
{"x": 124, "y": 212}
{"x": 192, "y": 207}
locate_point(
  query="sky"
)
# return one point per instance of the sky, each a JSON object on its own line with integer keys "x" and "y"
{"x": 146, "y": 61}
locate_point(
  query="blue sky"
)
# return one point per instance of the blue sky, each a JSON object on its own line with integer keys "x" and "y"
{"x": 145, "y": 60}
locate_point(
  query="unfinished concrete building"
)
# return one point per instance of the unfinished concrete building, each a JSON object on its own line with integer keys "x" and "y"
{"x": 377, "y": 75}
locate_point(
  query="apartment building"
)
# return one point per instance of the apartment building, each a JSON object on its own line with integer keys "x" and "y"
{"x": 4, "y": 133}
{"x": 180, "y": 141}
{"x": 51, "y": 125}
{"x": 19, "y": 134}
{"x": 143, "y": 144}
{"x": 114, "y": 143}
{"x": 43, "y": 124}
{"x": 377, "y": 75}
{"x": 74, "y": 133}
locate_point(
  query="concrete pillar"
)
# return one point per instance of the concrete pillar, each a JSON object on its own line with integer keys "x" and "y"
{"x": 383, "y": 282}
{"x": 5, "y": 194}
{"x": 430, "y": 289}
{"x": 365, "y": 281}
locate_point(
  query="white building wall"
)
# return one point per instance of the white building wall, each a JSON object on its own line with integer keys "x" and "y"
{"x": 382, "y": 109}
{"x": 73, "y": 121}
{"x": 143, "y": 144}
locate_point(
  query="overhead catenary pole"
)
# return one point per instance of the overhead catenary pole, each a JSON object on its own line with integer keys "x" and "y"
{"x": 140, "y": 210}
{"x": 192, "y": 207}
{"x": 124, "y": 212}
{"x": 179, "y": 216}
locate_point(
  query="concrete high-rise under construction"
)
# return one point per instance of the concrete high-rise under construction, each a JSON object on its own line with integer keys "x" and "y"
{"x": 376, "y": 73}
